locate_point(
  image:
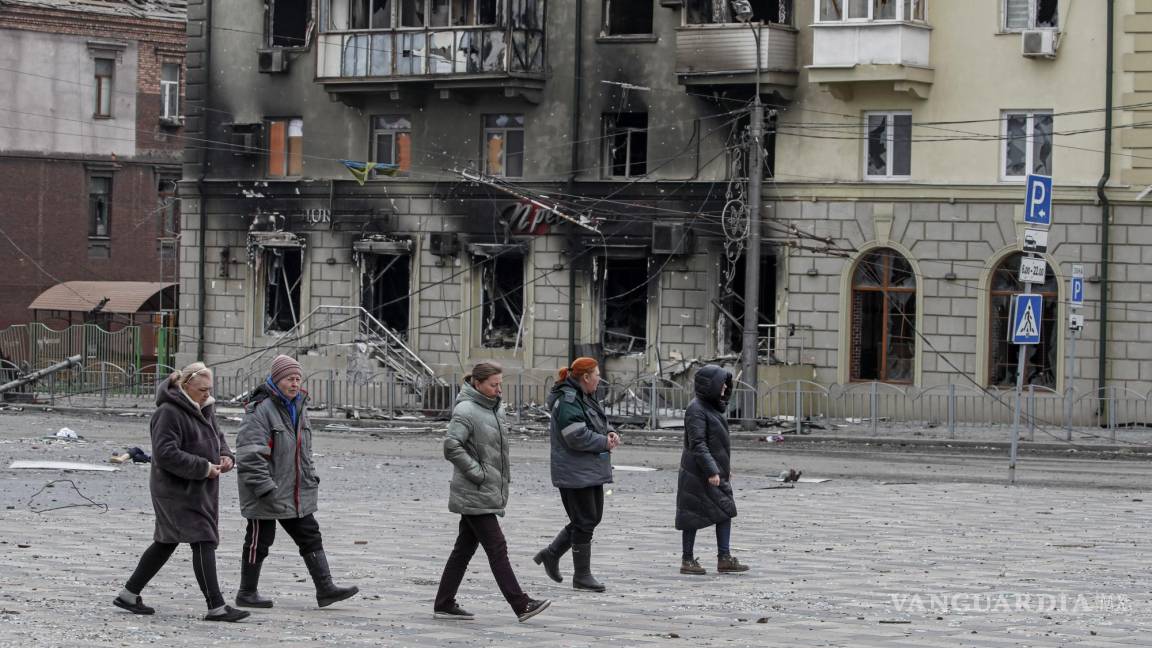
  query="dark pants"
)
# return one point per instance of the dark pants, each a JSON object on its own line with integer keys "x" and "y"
{"x": 260, "y": 535}
{"x": 723, "y": 540}
{"x": 483, "y": 530}
{"x": 585, "y": 508}
{"x": 203, "y": 565}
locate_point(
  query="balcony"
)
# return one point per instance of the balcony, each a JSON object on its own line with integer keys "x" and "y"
{"x": 486, "y": 47}
{"x": 725, "y": 55}
{"x": 890, "y": 53}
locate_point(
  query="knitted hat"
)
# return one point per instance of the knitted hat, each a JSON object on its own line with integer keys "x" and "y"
{"x": 284, "y": 366}
{"x": 580, "y": 367}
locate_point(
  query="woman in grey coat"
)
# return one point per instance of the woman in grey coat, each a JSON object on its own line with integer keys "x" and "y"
{"x": 477, "y": 446}
{"x": 188, "y": 456}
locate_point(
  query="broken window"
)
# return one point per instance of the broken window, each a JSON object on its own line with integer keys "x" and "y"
{"x": 504, "y": 145}
{"x": 392, "y": 143}
{"x": 627, "y": 17}
{"x": 285, "y": 147}
{"x": 167, "y": 206}
{"x": 732, "y": 301}
{"x": 170, "y": 91}
{"x": 283, "y": 274}
{"x": 384, "y": 292}
{"x": 626, "y": 145}
{"x": 1040, "y": 360}
{"x": 624, "y": 304}
{"x": 883, "y": 318}
{"x": 104, "y": 70}
{"x": 501, "y": 277}
{"x": 1027, "y": 144}
{"x": 287, "y": 22}
{"x": 707, "y": 12}
{"x": 1030, "y": 14}
{"x": 889, "y": 153}
{"x": 99, "y": 206}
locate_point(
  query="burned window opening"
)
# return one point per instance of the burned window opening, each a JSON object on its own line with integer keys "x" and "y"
{"x": 283, "y": 274}
{"x": 385, "y": 294}
{"x": 288, "y": 22}
{"x": 733, "y": 304}
{"x": 626, "y": 145}
{"x": 624, "y": 304}
{"x": 710, "y": 12}
{"x": 502, "y": 300}
{"x": 627, "y": 17}
{"x": 883, "y": 318}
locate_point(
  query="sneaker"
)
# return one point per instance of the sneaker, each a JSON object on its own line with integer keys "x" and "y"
{"x": 532, "y": 609}
{"x": 729, "y": 565}
{"x": 229, "y": 615}
{"x": 692, "y": 566}
{"x": 136, "y": 607}
{"x": 454, "y": 613}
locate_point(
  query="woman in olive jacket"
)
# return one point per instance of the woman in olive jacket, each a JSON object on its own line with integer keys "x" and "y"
{"x": 188, "y": 456}
{"x": 477, "y": 446}
{"x": 704, "y": 493}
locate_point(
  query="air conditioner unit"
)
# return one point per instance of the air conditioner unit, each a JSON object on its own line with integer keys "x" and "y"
{"x": 443, "y": 244}
{"x": 273, "y": 61}
{"x": 1038, "y": 43}
{"x": 671, "y": 238}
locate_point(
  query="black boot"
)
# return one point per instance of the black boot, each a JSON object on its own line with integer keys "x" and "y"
{"x": 582, "y": 578}
{"x": 327, "y": 592}
{"x": 247, "y": 595}
{"x": 550, "y": 555}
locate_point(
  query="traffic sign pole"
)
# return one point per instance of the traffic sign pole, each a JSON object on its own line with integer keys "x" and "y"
{"x": 1069, "y": 391}
{"x": 1022, "y": 349}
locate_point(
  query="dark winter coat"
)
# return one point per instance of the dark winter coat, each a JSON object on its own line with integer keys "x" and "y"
{"x": 707, "y": 452}
{"x": 579, "y": 433}
{"x": 185, "y": 442}
{"x": 477, "y": 446}
{"x": 277, "y": 478}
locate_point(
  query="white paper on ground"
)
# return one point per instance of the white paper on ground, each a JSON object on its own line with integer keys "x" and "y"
{"x": 59, "y": 465}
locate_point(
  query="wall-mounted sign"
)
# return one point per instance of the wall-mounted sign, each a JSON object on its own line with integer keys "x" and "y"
{"x": 526, "y": 218}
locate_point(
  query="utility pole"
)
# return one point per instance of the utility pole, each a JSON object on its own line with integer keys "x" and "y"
{"x": 751, "y": 344}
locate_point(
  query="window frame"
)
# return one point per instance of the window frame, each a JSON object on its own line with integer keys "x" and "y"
{"x": 481, "y": 264}
{"x": 887, "y": 253}
{"x": 918, "y": 7}
{"x": 505, "y": 152}
{"x": 287, "y": 154}
{"x": 1049, "y": 330}
{"x": 611, "y": 128}
{"x": 1029, "y": 143}
{"x": 890, "y": 141}
{"x": 170, "y": 92}
{"x": 1033, "y": 10}
{"x": 103, "y": 97}
{"x": 606, "y": 23}
{"x": 93, "y": 230}
{"x": 270, "y": 22}
{"x": 295, "y": 293}
{"x": 378, "y": 131}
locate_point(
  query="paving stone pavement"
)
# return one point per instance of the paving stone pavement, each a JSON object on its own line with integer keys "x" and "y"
{"x": 850, "y": 562}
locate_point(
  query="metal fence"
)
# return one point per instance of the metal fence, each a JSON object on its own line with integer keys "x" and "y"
{"x": 796, "y": 406}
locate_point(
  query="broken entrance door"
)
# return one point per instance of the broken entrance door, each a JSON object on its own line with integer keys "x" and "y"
{"x": 384, "y": 290}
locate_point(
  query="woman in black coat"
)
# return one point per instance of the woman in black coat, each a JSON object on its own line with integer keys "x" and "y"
{"x": 188, "y": 456}
{"x": 704, "y": 492}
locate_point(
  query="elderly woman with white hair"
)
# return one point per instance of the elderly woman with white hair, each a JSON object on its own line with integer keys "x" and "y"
{"x": 188, "y": 456}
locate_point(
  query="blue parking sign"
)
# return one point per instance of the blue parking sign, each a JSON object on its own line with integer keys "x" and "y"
{"x": 1038, "y": 202}
{"x": 1026, "y": 313}
{"x": 1077, "y": 292}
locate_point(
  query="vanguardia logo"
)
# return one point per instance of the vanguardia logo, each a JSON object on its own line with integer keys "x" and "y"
{"x": 994, "y": 602}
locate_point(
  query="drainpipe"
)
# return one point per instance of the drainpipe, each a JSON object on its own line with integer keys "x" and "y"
{"x": 202, "y": 305}
{"x": 1105, "y": 206}
{"x": 577, "y": 98}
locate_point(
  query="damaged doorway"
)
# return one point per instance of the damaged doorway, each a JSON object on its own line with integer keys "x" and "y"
{"x": 732, "y": 301}
{"x": 499, "y": 273}
{"x": 283, "y": 274}
{"x": 384, "y": 281}
{"x": 624, "y": 285}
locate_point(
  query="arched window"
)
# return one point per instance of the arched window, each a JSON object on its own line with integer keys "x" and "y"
{"x": 1039, "y": 359}
{"x": 883, "y": 318}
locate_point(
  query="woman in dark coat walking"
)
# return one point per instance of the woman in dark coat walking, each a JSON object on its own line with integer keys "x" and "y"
{"x": 477, "y": 446}
{"x": 582, "y": 443}
{"x": 188, "y": 456}
{"x": 704, "y": 491}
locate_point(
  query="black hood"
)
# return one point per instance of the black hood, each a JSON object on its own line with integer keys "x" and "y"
{"x": 709, "y": 382}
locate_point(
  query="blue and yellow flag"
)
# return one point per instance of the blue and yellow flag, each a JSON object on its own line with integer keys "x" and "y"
{"x": 362, "y": 170}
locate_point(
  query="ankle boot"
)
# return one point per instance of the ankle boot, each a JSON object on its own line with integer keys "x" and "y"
{"x": 327, "y": 592}
{"x": 582, "y": 578}
{"x": 247, "y": 595}
{"x": 550, "y": 555}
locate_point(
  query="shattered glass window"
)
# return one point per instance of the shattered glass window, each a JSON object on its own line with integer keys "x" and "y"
{"x": 1040, "y": 360}
{"x": 889, "y": 145}
{"x": 626, "y": 144}
{"x": 283, "y": 274}
{"x": 100, "y": 206}
{"x": 1028, "y": 144}
{"x": 384, "y": 294}
{"x": 1042, "y": 145}
{"x": 287, "y": 22}
{"x": 1031, "y": 14}
{"x": 877, "y": 145}
{"x": 624, "y": 305}
{"x": 504, "y": 145}
{"x": 502, "y": 300}
{"x": 624, "y": 17}
{"x": 883, "y": 333}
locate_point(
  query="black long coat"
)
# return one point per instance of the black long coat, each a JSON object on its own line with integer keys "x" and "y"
{"x": 185, "y": 440}
{"x": 707, "y": 452}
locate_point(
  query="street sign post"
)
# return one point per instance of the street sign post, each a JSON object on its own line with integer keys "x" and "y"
{"x": 1075, "y": 326}
{"x": 1038, "y": 204}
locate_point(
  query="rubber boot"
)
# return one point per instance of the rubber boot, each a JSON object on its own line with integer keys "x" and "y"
{"x": 327, "y": 592}
{"x": 582, "y": 578}
{"x": 247, "y": 595}
{"x": 550, "y": 556}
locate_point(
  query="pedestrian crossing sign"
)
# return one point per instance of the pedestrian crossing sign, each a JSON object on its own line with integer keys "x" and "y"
{"x": 1026, "y": 312}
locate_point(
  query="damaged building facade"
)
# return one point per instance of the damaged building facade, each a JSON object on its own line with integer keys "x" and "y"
{"x": 526, "y": 180}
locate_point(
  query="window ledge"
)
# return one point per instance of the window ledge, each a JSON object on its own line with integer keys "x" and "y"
{"x": 101, "y": 117}
{"x": 870, "y": 23}
{"x": 627, "y": 38}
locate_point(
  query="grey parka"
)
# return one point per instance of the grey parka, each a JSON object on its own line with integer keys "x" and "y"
{"x": 274, "y": 459}
{"x": 477, "y": 446}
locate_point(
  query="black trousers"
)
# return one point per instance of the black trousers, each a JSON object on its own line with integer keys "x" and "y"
{"x": 203, "y": 565}
{"x": 260, "y": 535}
{"x": 480, "y": 530}
{"x": 585, "y": 508}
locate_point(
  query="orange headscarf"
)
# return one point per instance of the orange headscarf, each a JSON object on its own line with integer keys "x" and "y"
{"x": 580, "y": 367}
